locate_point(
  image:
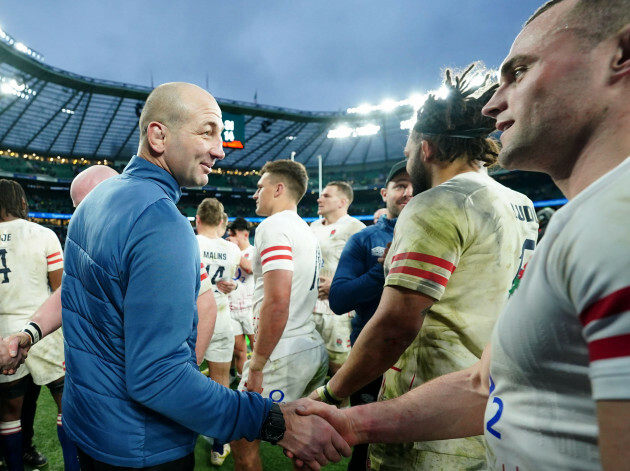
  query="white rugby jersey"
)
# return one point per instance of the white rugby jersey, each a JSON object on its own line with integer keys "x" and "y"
{"x": 563, "y": 341}
{"x": 241, "y": 299}
{"x": 284, "y": 241}
{"x": 332, "y": 239}
{"x": 28, "y": 252}
{"x": 220, "y": 258}
{"x": 463, "y": 244}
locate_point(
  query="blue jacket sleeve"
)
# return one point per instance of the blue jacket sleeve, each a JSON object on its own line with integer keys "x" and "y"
{"x": 356, "y": 277}
{"x": 162, "y": 259}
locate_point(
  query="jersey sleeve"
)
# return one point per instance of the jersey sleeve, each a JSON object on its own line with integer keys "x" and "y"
{"x": 428, "y": 242}
{"x": 205, "y": 281}
{"x": 275, "y": 248}
{"x": 54, "y": 254}
{"x": 599, "y": 289}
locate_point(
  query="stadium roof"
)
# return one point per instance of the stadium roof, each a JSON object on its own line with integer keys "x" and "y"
{"x": 52, "y": 112}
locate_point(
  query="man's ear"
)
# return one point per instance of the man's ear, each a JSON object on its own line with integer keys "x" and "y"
{"x": 427, "y": 151}
{"x": 156, "y": 137}
{"x": 621, "y": 61}
{"x": 384, "y": 193}
{"x": 280, "y": 189}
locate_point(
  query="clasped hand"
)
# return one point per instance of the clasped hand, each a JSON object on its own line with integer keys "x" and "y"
{"x": 316, "y": 434}
{"x": 13, "y": 352}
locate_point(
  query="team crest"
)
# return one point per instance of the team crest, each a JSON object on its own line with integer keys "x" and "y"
{"x": 378, "y": 251}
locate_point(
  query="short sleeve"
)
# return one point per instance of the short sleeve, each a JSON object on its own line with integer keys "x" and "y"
{"x": 54, "y": 254}
{"x": 275, "y": 248}
{"x": 428, "y": 243}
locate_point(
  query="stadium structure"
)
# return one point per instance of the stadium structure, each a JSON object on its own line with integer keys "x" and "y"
{"x": 54, "y": 123}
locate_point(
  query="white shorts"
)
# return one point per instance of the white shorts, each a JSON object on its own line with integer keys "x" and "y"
{"x": 45, "y": 361}
{"x": 293, "y": 376}
{"x": 335, "y": 330}
{"x": 221, "y": 347}
{"x": 242, "y": 321}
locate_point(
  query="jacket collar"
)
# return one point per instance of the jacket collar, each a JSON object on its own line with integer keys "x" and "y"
{"x": 386, "y": 224}
{"x": 141, "y": 168}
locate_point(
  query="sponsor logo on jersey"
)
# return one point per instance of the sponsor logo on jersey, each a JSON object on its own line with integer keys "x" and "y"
{"x": 378, "y": 251}
{"x": 332, "y": 233}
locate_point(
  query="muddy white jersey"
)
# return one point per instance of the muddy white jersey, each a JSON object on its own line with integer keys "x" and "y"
{"x": 28, "y": 252}
{"x": 241, "y": 299}
{"x": 563, "y": 341}
{"x": 284, "y": 241}
{"x": 332, "y": 239}
{"x": 462, "y": 243}
{"x": 220, "y": 258}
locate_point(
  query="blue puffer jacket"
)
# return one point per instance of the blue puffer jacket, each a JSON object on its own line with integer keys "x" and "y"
{"x": 133, "y": 395}
{"x": 359, "y": 279}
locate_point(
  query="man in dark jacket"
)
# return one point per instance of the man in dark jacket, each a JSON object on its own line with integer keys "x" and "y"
{"x": 359, "y": 279}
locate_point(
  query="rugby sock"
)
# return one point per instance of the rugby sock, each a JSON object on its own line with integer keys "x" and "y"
{"x": 11, "y": 445}
{"x": 69, "y": 450}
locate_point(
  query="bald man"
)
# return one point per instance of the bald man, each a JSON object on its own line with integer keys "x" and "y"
{"x": 85, "y": 182}
{"x": 134, "y": 396}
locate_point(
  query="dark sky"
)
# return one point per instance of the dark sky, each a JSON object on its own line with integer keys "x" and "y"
{"x": 322, "y": 55}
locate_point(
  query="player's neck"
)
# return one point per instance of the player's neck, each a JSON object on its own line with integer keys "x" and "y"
{"x": 441, "y": 173}
{"x": 283, "y": 205}
{"x": 334, "y": 217}
{"x": 208, "y": 231}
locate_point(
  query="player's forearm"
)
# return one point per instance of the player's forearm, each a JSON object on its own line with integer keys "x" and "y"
{"x": 451, "y": 406}
{"x": 377, "y": 348}
{"x": 207, "y": 316}
{"x": 273, "y": 319}
{"x": 614, "y": 433}
{"x": 385, "y": 337}
{"x": 48, "y": 315}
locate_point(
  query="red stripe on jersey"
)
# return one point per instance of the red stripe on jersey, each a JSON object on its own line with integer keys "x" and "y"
{"x": 277, "y": 247}
{"x": 11, "y": 430}
{"x": 277, "y": 257}
{"x": 611, "y": 347}
{"x": 52, "y": 262}
{"x": 53, "y": 255}
{"x": 421, "y": 257}
{"x": 417, "y": 272}
{"x": 203, "y": 276}
{"x": 395, "y": 368}
{"x": 611, "y": 305}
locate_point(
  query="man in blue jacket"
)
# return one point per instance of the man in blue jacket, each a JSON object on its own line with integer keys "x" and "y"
{"x": 359, "y": 279}
{"x": 134, "y": 395}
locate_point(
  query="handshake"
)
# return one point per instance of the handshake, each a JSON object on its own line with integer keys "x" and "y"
{"x": 317, "y": 433}
{"x": 13, "y": 351}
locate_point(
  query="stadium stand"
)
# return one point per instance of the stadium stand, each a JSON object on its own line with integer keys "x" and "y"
{"x": 54, "y": 123}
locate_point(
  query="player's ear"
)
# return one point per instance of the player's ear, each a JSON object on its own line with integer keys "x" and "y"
{"x": 280, "y": 189}
{"x": 621, "y": 61}
{"x": 428, "y": 151}
{"x": 384, "y": 193}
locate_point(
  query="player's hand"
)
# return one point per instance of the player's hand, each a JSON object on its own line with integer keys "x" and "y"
{"x": 226, "y": 286}
{"x": 382, "y": 258}
{"x": 309, "y": 440}
{"x": 324, "y": 287}
{"x": 13, "y": 352}
{"x": 254, "y": 381}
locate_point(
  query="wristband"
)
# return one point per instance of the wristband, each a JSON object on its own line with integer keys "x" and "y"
{"x": 326, "y": 396}
{"x": 33, "y": 331}
{"x": 332, "y": 395}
